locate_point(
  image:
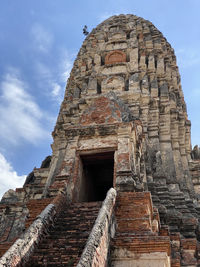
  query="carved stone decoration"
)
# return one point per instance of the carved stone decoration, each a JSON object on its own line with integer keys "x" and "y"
{"x": 123, "y": 123}
{"x": 115, "y": 57}
{"x": 113, "y": 83}
{"x": 102, "y": 110}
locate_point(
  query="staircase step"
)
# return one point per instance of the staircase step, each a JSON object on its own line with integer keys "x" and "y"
{"x": 67, "y": 236}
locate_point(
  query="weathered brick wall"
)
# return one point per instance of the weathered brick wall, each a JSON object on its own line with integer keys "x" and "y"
{"x": 138, "y": 240}
{"x": 124, "y": 95}
{"x": 20, "y": 251}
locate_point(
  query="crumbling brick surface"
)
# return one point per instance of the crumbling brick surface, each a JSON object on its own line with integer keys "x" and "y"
{"x": 35, "y": 207}
{"x": 135, "y": 234}
{"x": 19, "y": 252}
{"x": 124, "y": 95}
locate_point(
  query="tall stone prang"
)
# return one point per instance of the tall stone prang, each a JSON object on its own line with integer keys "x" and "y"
{"x": 123, "y": 124}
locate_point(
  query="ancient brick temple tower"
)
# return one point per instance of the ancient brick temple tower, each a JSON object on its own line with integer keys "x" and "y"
{"x": 122, "y": 124}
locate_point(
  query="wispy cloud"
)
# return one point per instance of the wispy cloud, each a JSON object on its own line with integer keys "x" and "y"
{"x": 187, "y": 57}
{"x": 106, "y": 15}
{"x": 9, "y": 179}
{"x": 65, "y": 65}
{"x": 56, "y": 91}
{"x": 42, "y": 38}
{"x": 119, "y": 9}
{"x": 43, "y": 70}
{"x": 20, "y": 116}
{"x": 55, "y": 78}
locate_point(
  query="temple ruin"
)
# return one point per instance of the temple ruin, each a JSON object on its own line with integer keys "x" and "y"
{"x": 122, "y": 186}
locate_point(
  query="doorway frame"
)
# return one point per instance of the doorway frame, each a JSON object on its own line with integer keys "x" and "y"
{"x": 78, "y": 167}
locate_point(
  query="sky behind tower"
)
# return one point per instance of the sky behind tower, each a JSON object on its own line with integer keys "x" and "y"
{"x": 39, "y": 41}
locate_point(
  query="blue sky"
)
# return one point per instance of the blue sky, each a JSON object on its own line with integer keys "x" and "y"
{"x": 39, "y": 40}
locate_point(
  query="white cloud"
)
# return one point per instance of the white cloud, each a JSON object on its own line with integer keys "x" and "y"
{"x": 20, "y": 116}
{"x": 9, "y": 179}
{"x": 56, "y": 92}
{"x": 56, "y": 89}
{"x": 54, "y": 79}
{"x": 43, "y": 71}
{"x": 66, "y": 66}
{"x": 50, "y": 81}
{"x": 42, "y": 38}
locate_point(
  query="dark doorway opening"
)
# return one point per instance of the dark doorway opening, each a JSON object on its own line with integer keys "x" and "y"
{"x": 97, "y": 175}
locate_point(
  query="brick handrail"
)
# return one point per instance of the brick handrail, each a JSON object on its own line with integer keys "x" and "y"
{"x": 19, "y": 253}
{"x": 96, "y": 248}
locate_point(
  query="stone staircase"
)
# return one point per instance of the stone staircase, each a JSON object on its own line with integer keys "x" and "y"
{"x": 138, "y": 232}
{"x": 66, "y": 239}
{"x": 174, "y": 208}
{"x": 181, "y": 215}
